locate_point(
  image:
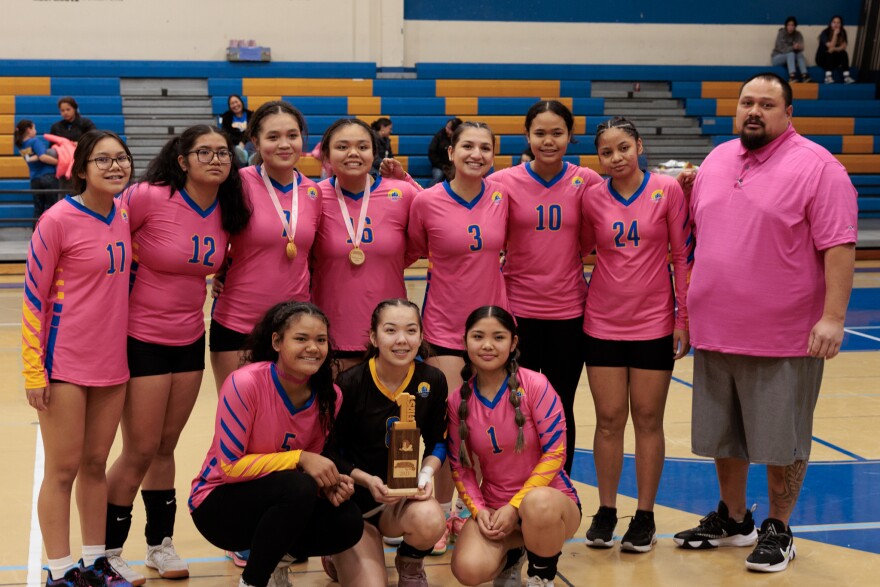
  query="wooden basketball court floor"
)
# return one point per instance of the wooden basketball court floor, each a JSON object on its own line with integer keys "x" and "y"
{"x": 836, "y": 523}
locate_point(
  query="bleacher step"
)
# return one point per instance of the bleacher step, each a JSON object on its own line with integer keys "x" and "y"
{"x": 163, "y": 87}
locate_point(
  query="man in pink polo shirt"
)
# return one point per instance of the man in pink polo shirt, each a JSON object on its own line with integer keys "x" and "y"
{"x": 775, "y": 223}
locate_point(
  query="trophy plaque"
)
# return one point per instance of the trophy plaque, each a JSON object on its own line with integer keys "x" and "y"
{"x": 403, "y": 450}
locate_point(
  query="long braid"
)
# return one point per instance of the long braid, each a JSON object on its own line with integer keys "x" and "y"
{"x": 515, "y": 397}
{"x": 463, "y": 432}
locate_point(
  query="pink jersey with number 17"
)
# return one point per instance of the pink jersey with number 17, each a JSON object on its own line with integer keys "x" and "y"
{"x": 75, "y": 311}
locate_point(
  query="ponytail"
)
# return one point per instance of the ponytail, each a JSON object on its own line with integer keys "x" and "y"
{"x": 21, "y": 128}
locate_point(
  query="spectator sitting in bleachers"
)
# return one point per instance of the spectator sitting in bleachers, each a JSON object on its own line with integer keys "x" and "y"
{"x": 789, "y": 51}
{"x": 234, "y": 121}
{"x": 831, "y": 54}
{"x": 383, "y": 127}
{"x": 438, "y": 151}
{"x": 41, "y": 163}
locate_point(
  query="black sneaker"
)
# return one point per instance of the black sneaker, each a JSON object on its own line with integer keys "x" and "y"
{"x": 641, "y": 534}
{"x": 775, "y": 548}
{"x": 719, "y": 529}
{"x": 601, "y": 532}
{"x": 101, "y": 574}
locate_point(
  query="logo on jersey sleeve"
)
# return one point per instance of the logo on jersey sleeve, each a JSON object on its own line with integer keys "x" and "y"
{"x": 312, "y": 192}
{"x": 577, "y": 180}
{"x": 497, "y": 197}
{"x": 394, "y": 194}
{"x": 124, "y": 214}
{"x": 656, "y": 196}
{"x": 423, "y": 389}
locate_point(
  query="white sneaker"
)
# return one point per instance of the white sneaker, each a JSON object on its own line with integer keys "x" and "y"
{"x": 114, "y": 557}
{"x": 391, "y": 541}
{"x": 165, "y": 560}
{"x": 511, "y": 577}
{"x": 829, "y": 79}
{"x": 280, "y": 577}
{"x": 539, "y": 582}
{"x": 848, "y": 80}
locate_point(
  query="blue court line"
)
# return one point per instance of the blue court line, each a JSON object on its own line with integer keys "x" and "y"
{"x": 839, "y": 449}
{"x": 683, "y": 382}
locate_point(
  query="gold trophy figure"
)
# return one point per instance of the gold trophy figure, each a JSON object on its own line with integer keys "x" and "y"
{"x": 403, "y": 450}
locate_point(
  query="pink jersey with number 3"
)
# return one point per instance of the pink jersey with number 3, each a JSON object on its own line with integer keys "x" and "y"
{"x": 463, "y": 242}
{"x": 260, "y": 274}
{"x": 176, "y": 244}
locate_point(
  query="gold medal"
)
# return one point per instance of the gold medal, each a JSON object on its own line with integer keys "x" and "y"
{"x": 357, "y": 257}
{"x": 291, "y": 251}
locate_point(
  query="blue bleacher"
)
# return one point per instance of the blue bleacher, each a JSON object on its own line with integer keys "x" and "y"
{"x": 85, "y": 86}
{"x": 35, "y": 105}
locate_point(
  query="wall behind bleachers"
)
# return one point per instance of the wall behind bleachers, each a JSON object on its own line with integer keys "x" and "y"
{"x": 394, "y": 33}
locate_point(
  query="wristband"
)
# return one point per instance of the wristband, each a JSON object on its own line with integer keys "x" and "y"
{"x": 425, "y": 475}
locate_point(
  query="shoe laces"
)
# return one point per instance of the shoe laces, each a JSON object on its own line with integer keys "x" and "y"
{"x": 711, "y": 523}
{"x": 769, "y": 541}
{"x": 164, "y": 552}
{"x": 639, "y": 524}
{"x": 280, "y": 577}
{"x": 105, "y": 569}
{"x": 119, "y": 564}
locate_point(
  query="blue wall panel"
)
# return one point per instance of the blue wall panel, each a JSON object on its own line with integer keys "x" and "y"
{"x": 634, "y": 11}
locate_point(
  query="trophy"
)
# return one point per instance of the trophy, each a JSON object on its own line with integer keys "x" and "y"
{"x": 403, "y": 451}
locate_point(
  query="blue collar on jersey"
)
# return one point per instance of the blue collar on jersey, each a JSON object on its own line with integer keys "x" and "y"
{"x": 469, "y": 205}
{"x": 277, "y": 185}
{"x": 106, "y": 220}
{"x": 289, "y": 404}
{"x": 198, "y": 209}
{"x": 632, "y": 198}
{"x": 546, "y": 184}
{"x": 357, "y": 196}
{"x": 490, "y": 404}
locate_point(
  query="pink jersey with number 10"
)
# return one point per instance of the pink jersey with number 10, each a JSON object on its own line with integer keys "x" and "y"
{"x": 543, "y": 268}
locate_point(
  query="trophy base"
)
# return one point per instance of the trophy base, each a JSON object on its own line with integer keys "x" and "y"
{"x": 403, "y": 492}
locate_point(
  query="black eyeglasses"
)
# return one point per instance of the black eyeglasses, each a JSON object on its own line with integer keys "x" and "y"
{"x": 207, "y": 155}
{"x": 105, "y": 163}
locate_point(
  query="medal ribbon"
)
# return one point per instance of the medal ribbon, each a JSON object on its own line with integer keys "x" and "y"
{"x": 346, "y": 219}
{"x": 289, "y": 227}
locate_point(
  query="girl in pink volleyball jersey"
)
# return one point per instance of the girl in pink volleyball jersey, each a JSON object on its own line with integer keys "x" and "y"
{"x": 75, "y": 318}
{"x": 543, "y": 269}
{"x": 268, "y": 262}
{"x": 181, "y": 215}
{"x": 360, "y": 249}
{"x": 264, "y": 484}
{"x": 510, "y": 420}
{"x": 635, "y": 321}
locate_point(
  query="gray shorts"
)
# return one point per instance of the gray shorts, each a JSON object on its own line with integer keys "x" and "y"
{"x": 758, "y": 409}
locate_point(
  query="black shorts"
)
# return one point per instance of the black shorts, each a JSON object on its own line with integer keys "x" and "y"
{"x": 146, "y": 358}
{"x": 653, "y": 355}
{"x": 436, "y": 350}
{"x": 224, "y": 339}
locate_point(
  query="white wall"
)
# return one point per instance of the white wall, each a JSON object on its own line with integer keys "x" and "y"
{"x": 200, "y": 30}
{"x": 606, "y": 43}
{"x": 358, "y": 30}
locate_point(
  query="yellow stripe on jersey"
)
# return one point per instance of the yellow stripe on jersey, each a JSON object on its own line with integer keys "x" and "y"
{"x": 543, "y": 473}
{"x": 261, "y": 464}
{"x": 392, "y": 395}
{"x": 463, "y": 494}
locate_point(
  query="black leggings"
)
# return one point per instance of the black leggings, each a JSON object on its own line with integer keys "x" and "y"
{"x": 274, "y": 515}
{"x": 556, "y": 349}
